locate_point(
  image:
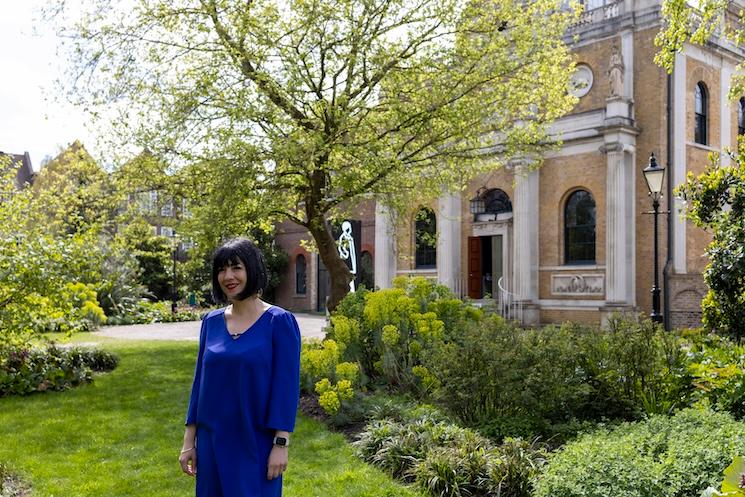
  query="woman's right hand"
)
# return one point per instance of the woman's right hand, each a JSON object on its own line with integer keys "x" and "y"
{"x": 188, "y": 461}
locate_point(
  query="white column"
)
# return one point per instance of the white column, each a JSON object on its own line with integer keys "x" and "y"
{"x": 725, "y": 112}
{"x": 385, "y": 247}
{"x": 627, "y": 51}
{"x": 678, "y": 168}
{"x": 619, "y": 225}
{"x": 525, "y": 229}
{"x": 449, "y": 241}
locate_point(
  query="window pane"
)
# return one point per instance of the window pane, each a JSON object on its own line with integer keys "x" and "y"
{"x": 300, "y": 275}
{"x": 426, "y": 239}
{"x": 579, "y": 228}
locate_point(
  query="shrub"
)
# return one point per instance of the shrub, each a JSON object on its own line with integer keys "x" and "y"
{"x": 25, "y": 369}
{"x": 717, "y": 369}
{"x": 146, "y": 312}
{"x": 448, "y": 460}
{"x": 499, "y": 377}
{"x": 663, "y": 456}
{"x": 381, "y": 336}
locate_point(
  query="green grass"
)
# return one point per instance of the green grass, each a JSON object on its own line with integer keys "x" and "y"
{"x": 121, "y": 435}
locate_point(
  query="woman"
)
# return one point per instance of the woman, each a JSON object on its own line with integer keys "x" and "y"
{"x": 246, "y": 384}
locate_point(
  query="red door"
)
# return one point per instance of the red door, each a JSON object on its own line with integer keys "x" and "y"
{"x": 474, "y": 267}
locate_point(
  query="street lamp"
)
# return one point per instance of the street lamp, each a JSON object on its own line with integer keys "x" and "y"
{"x": 174, "y": 294}
{"x": 654, "y": 175}
{"x": 478, "y": 206}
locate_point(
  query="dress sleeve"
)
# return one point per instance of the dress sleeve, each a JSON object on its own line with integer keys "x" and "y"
{"x": 191, "y": 413}
{"x": 285, "y": 383}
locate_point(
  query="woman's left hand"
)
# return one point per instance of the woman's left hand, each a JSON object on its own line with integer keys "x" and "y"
{"x": 277, "y": 462}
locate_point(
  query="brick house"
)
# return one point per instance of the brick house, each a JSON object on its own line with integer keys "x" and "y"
{"x": 571, "y": 241}
{"x": 25, "y": 174}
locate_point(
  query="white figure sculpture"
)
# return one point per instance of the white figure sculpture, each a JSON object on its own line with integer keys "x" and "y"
{"x": 347, "y": 250}
{"x": 615, "y": 73}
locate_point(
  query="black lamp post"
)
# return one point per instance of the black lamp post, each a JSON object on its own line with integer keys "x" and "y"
{"x": 654, "y": 175}
{"x": 174, "y": 294}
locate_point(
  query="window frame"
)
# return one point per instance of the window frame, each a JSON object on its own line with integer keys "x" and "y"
{"x": 304, "y": 273}
{"x": 425, "y": 256}
{"x": 701, "y": 114}
{"x": 570, "y": 231}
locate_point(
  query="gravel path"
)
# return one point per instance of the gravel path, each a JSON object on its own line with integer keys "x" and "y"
{"x": 311, "y": 326}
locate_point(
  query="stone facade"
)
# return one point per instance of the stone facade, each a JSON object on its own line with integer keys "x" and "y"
{"x": 606, "y": 143}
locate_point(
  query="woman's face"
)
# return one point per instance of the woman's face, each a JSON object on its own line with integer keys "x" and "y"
{"x": 232, "y": 279}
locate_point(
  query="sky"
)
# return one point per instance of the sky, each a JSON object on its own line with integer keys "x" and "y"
{"x": 31, "y": 118}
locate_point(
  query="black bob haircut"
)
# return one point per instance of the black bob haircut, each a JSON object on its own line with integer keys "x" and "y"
{"x": 247, "y": 253}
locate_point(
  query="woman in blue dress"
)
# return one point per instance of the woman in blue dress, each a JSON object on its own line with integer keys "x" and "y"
{"x": 246, "y": 384}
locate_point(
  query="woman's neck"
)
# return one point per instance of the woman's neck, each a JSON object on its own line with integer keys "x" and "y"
{"x": 252, "y": 306}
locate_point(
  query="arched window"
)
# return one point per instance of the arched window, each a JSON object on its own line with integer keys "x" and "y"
{"x": 701, "y": 107}
{"x": 367, "y": 274}
{"x": 579, "y": 228}
{"x": 741, "y": 117}
{"x": 426, "y": 239}
{"x": 496, "y": 201}
{"x": 300, "y": 275}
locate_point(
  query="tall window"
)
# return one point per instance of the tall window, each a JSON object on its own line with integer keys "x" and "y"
{"x": 741, "y": 117}
{"x": 300, "y": 274}
{"x": 579, "y": 228}
{"x": 366, "y": 271}
{"x": 426, "y": 239}
{"x": 702, "y": 110}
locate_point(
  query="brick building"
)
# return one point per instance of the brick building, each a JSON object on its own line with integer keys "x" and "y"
{"x": 25, "y": 173}
{"x": 571, "y": 240}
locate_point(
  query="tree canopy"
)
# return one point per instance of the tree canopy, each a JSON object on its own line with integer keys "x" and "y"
{"x": 316, "y": 104}
{"x": 716, "y": 198}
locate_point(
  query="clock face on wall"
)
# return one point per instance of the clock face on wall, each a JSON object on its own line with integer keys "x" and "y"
{"x": 581, "y": 81}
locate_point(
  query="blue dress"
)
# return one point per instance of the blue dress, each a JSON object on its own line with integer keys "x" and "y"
{"x": 244, "y": 390}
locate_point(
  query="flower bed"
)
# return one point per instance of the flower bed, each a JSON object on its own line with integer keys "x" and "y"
{"x": 26, "y": 369}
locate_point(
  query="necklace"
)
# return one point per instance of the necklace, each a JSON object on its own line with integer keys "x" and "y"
{"x": 235, "y": 335}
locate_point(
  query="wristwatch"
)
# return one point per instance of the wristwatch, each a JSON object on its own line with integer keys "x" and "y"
{"x": 281, "y": 441}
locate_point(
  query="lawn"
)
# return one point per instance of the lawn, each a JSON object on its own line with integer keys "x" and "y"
{"x": 120, "y": 436}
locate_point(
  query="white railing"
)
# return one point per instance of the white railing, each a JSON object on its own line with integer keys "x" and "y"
{"x": 508, "y": 305}
{"x": 596, "y": 12}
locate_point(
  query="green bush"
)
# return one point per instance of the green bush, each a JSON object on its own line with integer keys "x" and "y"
{"x": 717, "y": 369}
{"x": 25, "y": 369}
{"x": 147, "y": 312}
{"x": 676, "y": 456}
{"x": 380, "y": 337}
{"x": 450, "y": 461}
{"x": 500, "y": 377}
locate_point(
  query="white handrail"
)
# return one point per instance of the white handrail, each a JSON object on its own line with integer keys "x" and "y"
{"x": 510, "y": 307}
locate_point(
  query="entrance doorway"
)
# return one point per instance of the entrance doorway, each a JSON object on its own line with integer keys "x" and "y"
{"x": 486, "y": 265}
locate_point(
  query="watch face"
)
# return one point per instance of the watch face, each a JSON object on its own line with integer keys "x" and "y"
{"x": 581, "y": 81}
{"x": 281, "y": 441}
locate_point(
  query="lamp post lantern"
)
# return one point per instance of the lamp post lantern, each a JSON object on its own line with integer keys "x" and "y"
{"x": 654, "y": 176}
{"x": 477, "y": 204}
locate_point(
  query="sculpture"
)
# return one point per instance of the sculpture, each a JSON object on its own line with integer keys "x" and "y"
{"x": 615, "y": 73}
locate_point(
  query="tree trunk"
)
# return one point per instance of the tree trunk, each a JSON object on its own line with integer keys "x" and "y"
{"x": 338, "y": 271}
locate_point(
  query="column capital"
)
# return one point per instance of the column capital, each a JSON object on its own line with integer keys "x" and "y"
{"x": 612, "y": 147}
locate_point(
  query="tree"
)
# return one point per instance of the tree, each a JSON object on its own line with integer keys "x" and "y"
{"x": 316, "y": 104}
{"x": 74, "y": 192}
{"x": 716, "y": 198}
{"x": 47, "y": 278}
{"x": 716, "y": 201}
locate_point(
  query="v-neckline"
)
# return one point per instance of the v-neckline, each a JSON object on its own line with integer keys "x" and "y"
{"x": 239, "y": 335}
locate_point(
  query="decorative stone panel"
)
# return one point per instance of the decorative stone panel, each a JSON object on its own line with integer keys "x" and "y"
{"x": 578, "y": 284}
